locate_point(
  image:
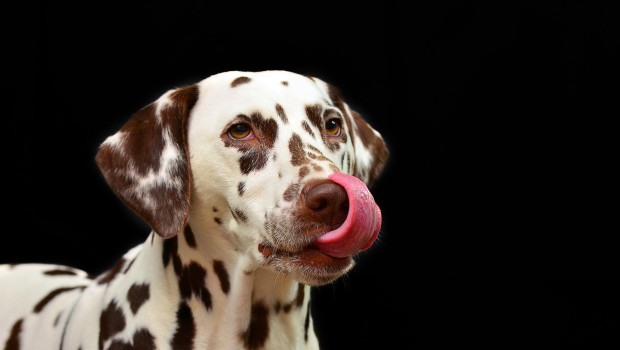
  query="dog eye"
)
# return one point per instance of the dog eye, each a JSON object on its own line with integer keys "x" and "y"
{"x": 240, "y": 131}
{"x": 333, "y": 127}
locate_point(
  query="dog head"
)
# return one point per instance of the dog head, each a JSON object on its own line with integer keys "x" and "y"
{"x": 276, "y": 161}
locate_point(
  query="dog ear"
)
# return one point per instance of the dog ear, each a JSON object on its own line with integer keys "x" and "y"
{"x": 146, "y": 163}
{"x": 371, "y": 152}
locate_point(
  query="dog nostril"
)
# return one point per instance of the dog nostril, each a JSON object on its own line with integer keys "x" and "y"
{"x": 328, "y": 202}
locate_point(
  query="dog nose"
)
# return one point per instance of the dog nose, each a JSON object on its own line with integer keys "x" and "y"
{"x": 327, "y": 203}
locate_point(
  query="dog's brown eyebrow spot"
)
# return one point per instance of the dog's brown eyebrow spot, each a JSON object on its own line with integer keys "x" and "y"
{"x": 240, "y": 81}
{"x": 285, "y": 83}
{"x": 313, "y": 113}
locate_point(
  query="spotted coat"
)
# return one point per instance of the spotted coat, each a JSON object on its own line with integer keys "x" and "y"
{"x": 217, "y": 170}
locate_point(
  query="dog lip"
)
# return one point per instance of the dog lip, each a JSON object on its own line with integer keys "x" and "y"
{"x": 306, "y": 256}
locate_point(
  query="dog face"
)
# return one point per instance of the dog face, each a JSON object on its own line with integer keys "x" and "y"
{"x": 258, "y": 149}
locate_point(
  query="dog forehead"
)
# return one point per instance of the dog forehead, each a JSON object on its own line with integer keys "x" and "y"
{"x": 229, "y": 94}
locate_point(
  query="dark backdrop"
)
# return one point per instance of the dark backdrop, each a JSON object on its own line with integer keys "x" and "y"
{"x": 498, "y": 196}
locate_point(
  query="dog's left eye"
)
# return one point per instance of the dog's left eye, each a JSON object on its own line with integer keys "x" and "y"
{"x": 240, "y": 131}
{"x": 332, "y": 127}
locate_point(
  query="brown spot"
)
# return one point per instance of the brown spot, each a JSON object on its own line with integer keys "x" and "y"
{"x": 239, "y": 215}
{"x": 303, "y": 171}
{"x": 254, "y": 155}
{"x": 131, "y": 263}
{"x": 214, "y": 209}
{"x": 307, "y": 127}
{"x": 111, "y": 322}
{"x": 183, "y": 338}
{"x": 240, "y": 81}
{"x": 291, "y": 192}
{"x": 59, "y": 272}
{"x": 12, "y": 343}
{"x": 307, "y": 323}
{"x": 281, "y": 113}
{"x": 192, "y": 282}
{"x": 222, "y": 275}
{"x": 285, "y": 83}
{"x": 316, "y": 167}
{"x": 296, "y": 147}
{"x": 165, "y": 208}
{"x": 109, "y": 275}
{"x": 241, "y": 188}
{"x": 142, "y": 340}
{"x": 53, "y": 294}
{"x": 137, "y": 295}
{"x": 313, "y": 113}
{"x": 170, "y": 252}
{"x": 217, "y": 220}
{"x": 57, "y": 319}
{"x": 189, "y": 236}
{"x": 299, "y": 300}
{"x": 258, "y": 330}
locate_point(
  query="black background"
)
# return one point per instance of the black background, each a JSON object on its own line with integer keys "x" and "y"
{"x": 498, "y": 197}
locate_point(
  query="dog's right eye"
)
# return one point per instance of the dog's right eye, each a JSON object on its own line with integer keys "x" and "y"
{"x": 240, "y": 131}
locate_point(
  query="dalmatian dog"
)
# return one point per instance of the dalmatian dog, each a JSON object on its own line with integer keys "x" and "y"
{"x": 255, "y": 185}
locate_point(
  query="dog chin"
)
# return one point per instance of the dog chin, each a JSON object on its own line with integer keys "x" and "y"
{"x": 308, "y": 265}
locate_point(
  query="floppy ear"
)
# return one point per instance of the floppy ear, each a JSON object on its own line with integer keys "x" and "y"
{"x": 146, "y": 162}
{"x": 371, "y": 152}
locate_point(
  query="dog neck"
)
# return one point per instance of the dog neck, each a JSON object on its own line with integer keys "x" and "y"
{"x": 224, "y": 300}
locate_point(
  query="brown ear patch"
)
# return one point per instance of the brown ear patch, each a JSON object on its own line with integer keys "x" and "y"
{"x": 146, "y": 162}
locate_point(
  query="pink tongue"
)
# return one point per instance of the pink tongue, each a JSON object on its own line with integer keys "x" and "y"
{"x": 361, "y": 226}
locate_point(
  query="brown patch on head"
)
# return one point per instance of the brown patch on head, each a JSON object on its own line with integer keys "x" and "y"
{"x": 137, "y": 295}
{"x": 291, "y": 192}
{"x": 222, "y": 275}
{"x": 285, "y": 83}
{"x": 254, "y": 157}
{"x": 296, "y": 147}
{"x": 183, "y": 338}
{"x": 258, "y": 330}
{"x": 111, "y": 322}
{"x": 313, "y": 113}
{"x": 307, "y": 127}
{"x": 303, "y": 171}
{"x": 281, "y": 113}
{"x": 240, "y": 81}
{"x": 135, "y": 153}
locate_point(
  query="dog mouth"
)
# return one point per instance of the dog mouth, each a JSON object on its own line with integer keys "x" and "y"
{"x": 309, "y": 264}
{"x": 324, "y": 251}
